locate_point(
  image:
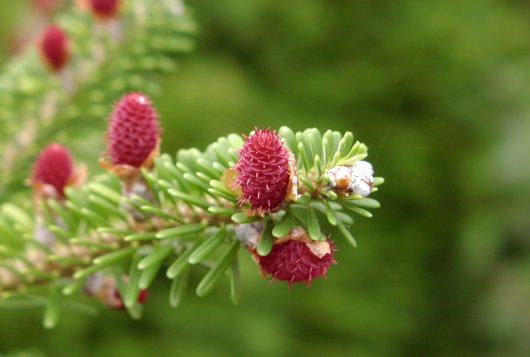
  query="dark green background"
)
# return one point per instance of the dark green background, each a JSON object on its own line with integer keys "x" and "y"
{"x": 440, "y": 92}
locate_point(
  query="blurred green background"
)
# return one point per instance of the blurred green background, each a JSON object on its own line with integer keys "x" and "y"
{"x": 440, "y": 92}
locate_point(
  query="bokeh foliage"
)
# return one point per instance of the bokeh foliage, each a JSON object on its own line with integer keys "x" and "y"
{"x": 439, "y": 91}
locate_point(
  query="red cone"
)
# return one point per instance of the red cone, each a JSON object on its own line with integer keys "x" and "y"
{"x": 297, "y": 258}
{"x": 53, "y": 47}
{"x": 54, "y": 167}
{"x": 134, "y": 131}
{"x": 264, "y": 171}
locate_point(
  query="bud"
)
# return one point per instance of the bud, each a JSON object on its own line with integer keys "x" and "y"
{"x": 297, "y": 258}
{"x": 134, "y": 132}
{"x": 104, "y": 9}
{"x": 357, "y": 179}
{"x": 53, "y": 171}
{"x": 265, "y": 171}
{"x": 53, "y": 47}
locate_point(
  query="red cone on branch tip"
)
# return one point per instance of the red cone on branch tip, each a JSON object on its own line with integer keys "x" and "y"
{"x": 134, "y": 131}
{"x": 265, "y": 171}
{"x": 297, "y": 258}
{"x": 104, "y": 9}
{"x": 53, "y": 46}
{"x": 54, "y": 167}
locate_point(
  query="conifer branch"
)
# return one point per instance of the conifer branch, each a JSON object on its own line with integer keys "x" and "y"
{"x": 281, "y": 197}
{"x": 195, "y": 209}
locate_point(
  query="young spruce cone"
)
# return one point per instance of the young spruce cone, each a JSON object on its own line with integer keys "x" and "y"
{"x": 54, "y": 167}
{"x": 105, "y": 9}
{"x": 265, "y": 171}
{"x": 53, "y": 46}
{"x": 297, "y": 258}
{"x": 134, "y": 131}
